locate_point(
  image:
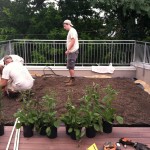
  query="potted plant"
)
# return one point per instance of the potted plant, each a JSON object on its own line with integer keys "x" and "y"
{"x": 48, "y": 121}
{"x": 92, "y": 118}
{"x": 72, "y": 119}
{"x": 27, "y": 115}
{"x": 40, "y": 126}
{"x": 1, "y": 115}
{"x": 109, "y": 113}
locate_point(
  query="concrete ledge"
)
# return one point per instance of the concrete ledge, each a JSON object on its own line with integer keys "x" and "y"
{"x": 125, "y": 68}
{"x": 56, "y": 68}
{"x": 120, "y": 71}
{"x": 142, "y": 71}
{"x": 141, "y": 65}
{"x": 76, "y": 68}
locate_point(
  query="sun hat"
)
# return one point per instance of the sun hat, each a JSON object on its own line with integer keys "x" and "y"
{"x": 7, "y": 57}
{"x": 68, "y": 22}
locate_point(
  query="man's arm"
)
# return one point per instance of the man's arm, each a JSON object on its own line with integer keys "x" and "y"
{"x": 3, "y": 82}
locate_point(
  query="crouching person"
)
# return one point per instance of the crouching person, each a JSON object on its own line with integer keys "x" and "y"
{"x": 15, "y": 77}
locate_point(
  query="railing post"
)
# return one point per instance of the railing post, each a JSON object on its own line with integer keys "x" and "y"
{"x": 82, "y": 53}
{"x": 144, "y": 52}
{"x": 111, "y": 52}
{"x": 134, "y": 51}
{"x": 25, "y": 57}
{"x": 54, "y": 52}
{"x": 10, "y": 47}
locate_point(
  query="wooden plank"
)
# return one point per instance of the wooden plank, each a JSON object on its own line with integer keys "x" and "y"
{"x": 64, "y": 142}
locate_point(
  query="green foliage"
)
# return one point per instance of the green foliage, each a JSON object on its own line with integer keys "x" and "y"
{"x": 46, "y": 53}
{"x": 139, "y": 5}
{"x": 26, "y": 95}
{"x": 91, "y": 108}
{"x": 47, "y": 115}
{"x": 27, "y": 114}
{"x": 6, "y": 33}
{"x": 97, "y": 19}
{"x": 57, "y": 34}
{"x": 127, "y": 19}
{"x": 73, "y": 118}
{"x": 109, "y": 113}
{"x": 96, "y": 108}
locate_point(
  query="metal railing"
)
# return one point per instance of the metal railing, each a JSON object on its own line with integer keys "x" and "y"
{"x": 142, "y": 52}
{"x": 91, "y": 52}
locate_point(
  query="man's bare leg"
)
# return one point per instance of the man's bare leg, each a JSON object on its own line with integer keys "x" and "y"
{"x": 71, "y": 71}
{"x": 72, "y": 79}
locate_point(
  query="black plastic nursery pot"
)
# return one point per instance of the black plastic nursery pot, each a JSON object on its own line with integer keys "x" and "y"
{"x": 90, "y": 132}
{"x": 67, "y": 128}
{"x": 107, "y": 127}
{"x": 73, "y": 134}
{"x": 1, "y": 129}
{"x": 27, "y": 130}
{"x": 43, "y": 130}
{"x": 53, "y": 133}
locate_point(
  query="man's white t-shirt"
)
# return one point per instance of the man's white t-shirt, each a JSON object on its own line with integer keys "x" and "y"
{"x": 19, "y": 75}
{"x": 73, "y": 34}
{"x": 15, "y": 58}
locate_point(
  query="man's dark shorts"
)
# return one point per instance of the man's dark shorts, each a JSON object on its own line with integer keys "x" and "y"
{"x": 71, "y": 59}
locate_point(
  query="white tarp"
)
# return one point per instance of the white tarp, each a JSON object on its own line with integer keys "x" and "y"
{"x": 103, "y": 69}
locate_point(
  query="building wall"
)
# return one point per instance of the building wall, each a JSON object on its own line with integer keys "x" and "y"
{"x": 142, "y": 72}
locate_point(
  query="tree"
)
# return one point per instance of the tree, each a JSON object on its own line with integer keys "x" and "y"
{"x": 131, "y": 17}
{"x": 85, "y": 19}
{"x": 40, "y": 19}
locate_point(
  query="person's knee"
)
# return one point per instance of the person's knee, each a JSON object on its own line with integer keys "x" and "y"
{"x": 71, "y": 64}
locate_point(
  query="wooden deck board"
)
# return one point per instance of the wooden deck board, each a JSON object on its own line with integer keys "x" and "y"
{"x": 64, "y": 142}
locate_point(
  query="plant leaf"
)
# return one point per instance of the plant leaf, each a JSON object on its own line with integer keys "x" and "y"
{"x": 96, "y": 127}
{"x": 119, "y": 119}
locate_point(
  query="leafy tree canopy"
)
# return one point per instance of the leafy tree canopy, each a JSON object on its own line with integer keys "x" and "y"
{"x": 97, "y": 19}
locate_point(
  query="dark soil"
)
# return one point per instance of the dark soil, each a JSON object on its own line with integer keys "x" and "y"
{"x": 132, "y": 102}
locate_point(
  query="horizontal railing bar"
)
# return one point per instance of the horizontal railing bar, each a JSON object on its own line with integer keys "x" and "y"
{"x": 143, "y": 42}
{"x": 65, "y": 40}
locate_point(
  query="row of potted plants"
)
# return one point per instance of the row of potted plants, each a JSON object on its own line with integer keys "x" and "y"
{"x": 39, "y": 115}
{"x": 94, "y": 114}
{"x": 88, "y": 118}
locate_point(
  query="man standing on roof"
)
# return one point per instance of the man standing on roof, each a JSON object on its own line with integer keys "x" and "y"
{"x": 15, "y": 77}
{"x": 72, "y": 50}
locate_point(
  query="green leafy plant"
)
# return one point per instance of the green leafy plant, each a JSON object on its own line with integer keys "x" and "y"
{"x": 26, "y": 95}
{"x": 48, "y": 114}
{"x": 109, "y": 113}
{"x": 26, "y": 114}
{"x": 73, "y": 118}
{"x": 91, "y": 108}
